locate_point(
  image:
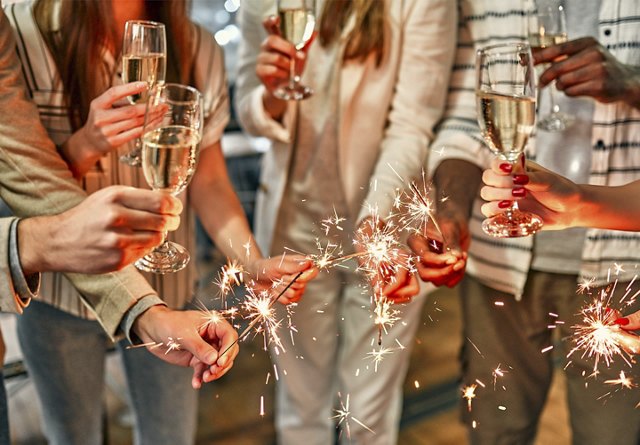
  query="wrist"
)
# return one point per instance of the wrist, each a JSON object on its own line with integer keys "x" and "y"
{"x": 34, "y": 244}
{"x": 273, "y": 106}
{"x": 144, "y": 325}
{"x": 79, "y": 153}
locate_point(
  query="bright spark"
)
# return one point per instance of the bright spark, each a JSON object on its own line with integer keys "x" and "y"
{"x": 343, "y": 416}
{"x": 469, "y": 393}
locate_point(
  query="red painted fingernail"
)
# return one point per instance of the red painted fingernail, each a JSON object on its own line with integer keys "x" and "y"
{"x": 520, "y": 179}
{"x": 504, "y": 204}
{"x": 622, "y": 321}
{"x": 435, "y": 246}
{"x": 506, "y": 167}
{"x": 518, "y": 192}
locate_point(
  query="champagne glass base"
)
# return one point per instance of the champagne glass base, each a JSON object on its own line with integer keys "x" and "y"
{"x": 555, "y": 122}
{"x": 168, "y": 258}
{"x": 289, "y": 92}
{"x": 520, "y": 224}
{"x": 132, "y": 158}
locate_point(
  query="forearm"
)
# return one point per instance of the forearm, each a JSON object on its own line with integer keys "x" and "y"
{"x": 604, "y": 207}
{"x": 459, "y": 181}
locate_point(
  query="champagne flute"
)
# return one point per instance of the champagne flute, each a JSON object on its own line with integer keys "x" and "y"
{"x": 170, "y": 143}
{"x": 547, "y": 27}
{"x": 506, "y": 104}
{"x": 144, "y": 58}
{"x": 297, "y": 25}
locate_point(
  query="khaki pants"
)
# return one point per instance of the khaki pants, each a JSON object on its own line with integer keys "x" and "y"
{"x": 513, "y": 336}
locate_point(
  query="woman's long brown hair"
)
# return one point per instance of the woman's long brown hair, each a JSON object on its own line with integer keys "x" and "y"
{"x": 368, "y": 34}
{"x": 79, "y": 44}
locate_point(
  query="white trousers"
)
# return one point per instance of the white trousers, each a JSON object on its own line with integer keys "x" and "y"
{"x": 330, "y": 355}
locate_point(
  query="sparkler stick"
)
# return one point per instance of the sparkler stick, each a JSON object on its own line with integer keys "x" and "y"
{"x": 427, "y": 207}
{"x": 258, "y": 319}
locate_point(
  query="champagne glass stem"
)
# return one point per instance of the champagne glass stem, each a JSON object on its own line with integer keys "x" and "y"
{"x": 292, "y": 74}
{"x": 555, "y": 108}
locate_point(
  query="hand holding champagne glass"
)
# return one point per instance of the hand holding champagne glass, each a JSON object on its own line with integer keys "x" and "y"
{"x": 547, "y": 27}
{"x": 170, "y": 143}
{"x": 144, "y": 58}
{"x": 297, "y": 25}
{"x": 506, "y": 104}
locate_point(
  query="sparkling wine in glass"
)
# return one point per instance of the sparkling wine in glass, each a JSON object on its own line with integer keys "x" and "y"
{"x": 297, "y": 25}
{"x": 144, "y": 58}
{"x": 506, "y": 106}
{"x": 548, "y": 27}
{"x": 170, "y": 144}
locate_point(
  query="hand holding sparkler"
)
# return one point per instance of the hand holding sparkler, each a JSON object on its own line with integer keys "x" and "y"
{"x": 440, "y": 263}
{"x": 181, "y": 338}
{"x": 628, "y": 341}
{"x": 276, "y": 272}
{"x": 389, "y": 267}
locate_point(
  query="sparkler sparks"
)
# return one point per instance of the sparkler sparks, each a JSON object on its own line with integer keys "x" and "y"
{"x": 379, "y": 355}
{"x": 231, "y": 275}
{"x": 343, "y": 416}
{"x": 597, "y": 337}
{"x": 623, "y": 381}
{"x": 172, "y": 345}
{"x": 469, "y": 393}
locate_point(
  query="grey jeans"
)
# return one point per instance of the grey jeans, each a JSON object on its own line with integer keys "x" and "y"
{"x": 65, "y": 357}
{"x": 513, "y": 335}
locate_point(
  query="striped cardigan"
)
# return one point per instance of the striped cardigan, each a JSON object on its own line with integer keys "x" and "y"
{"x": 503, "y": 264}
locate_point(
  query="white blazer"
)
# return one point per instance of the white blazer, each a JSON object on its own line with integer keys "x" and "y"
{"x": 387, "y": 114}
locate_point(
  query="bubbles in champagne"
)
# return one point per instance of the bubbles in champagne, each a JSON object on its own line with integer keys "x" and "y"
{"x": 148, "y": 68}
{"x": 169, "y": 157}
{"x": 506, "y": 122}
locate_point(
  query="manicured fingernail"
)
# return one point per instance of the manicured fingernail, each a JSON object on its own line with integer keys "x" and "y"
{"x": 520, "y": 179}
{"x": 622, "y": 321}
{"x": 504, "y": 204}
{"x": 300, "y": 55}
{"x": 518, "y": 192}
{"x": 506, "y": 167}
{"x": 222, "y": 361}
{"x": 141, "y": 84}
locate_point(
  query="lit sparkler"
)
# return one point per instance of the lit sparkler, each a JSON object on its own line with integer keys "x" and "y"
{"x": 377, "y": 356}
{"x": 261, "y": 312}
{"x": 598, "y": 337}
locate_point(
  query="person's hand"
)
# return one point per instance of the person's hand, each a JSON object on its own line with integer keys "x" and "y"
{"x": 112, "y": 122}
{"x": 552, "y": 197}
{"x": 108, "y": 230}
{"x": 273, "y": 66}
{"x": 184, "y": 338}
{"x": 276, "y": 273}
{"x": 437, "y": 263}
{"x": 583, "y": 67}
{"x": 398, "y": 283}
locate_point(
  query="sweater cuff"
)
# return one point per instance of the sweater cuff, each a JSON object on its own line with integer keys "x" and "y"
{"x": 132, "y": 315}
{"x": 26, "y": 287}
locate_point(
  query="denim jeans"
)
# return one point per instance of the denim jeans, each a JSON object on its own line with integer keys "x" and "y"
{"x": 65, "y": 357}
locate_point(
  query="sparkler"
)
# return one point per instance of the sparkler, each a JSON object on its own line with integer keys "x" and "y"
{"x": 263, "y": 313}
{"x": 597, "y": 336}
{"x": 417, "y": 209}
{"x": 343, "y": 416}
